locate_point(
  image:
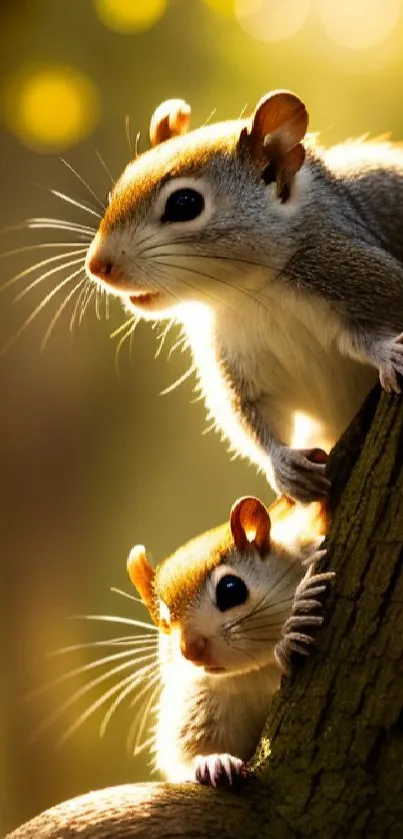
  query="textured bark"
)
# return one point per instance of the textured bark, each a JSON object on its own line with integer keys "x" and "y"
{"x": 335, "y": 729}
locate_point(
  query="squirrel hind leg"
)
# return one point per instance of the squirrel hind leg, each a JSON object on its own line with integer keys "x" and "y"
{"x": 219, "y": 769}
{"x": 298, "y": 632}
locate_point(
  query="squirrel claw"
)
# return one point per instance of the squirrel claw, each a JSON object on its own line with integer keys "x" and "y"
{"x": 216, "y": 769}
{"x": 300, "y": 473}
{"x": 297, "y": 631}
{"x": 390, "y": 363}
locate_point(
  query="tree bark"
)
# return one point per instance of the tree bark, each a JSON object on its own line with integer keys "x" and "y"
{"x": 334, "y": 767}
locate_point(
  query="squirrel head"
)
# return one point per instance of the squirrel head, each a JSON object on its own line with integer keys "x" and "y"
{"x": 201, "y": 206}
{"x": 223, "y": 598}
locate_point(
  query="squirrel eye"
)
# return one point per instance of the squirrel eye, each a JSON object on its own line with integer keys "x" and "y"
{"x": 183, "y": 205}
{"x": 230, "y": 591}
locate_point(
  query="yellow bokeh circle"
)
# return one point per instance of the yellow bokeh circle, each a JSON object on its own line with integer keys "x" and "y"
{"x": 127, "y": 16}
{"x": 272, "y": 20}
{"x": 359, "y": 24}
{"x": 51, "y": 108}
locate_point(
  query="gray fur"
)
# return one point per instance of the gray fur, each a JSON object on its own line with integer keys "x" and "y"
{"x": 307, "y": 294}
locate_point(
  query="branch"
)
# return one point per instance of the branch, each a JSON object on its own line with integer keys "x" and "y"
{"x": 335, "y": 745}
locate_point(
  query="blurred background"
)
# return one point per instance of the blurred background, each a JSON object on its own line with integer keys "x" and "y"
{"x": 94, "y": 459}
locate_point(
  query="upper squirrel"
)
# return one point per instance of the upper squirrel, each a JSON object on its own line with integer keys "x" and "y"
{"x": 231, "y": 607}
{"x": 283, "y": 262}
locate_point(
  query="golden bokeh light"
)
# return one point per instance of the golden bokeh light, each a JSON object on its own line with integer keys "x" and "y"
{"x": 50, "y": 108}
{"x": 126, "y": 16}
{"x": 224, "y": 7}
{"x": 359, "y": 24}
{"x": 271, "y": 20}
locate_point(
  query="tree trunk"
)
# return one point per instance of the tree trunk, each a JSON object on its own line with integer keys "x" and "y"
{"x": 335, "y": 767}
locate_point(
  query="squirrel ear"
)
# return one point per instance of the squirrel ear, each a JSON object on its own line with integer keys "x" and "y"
{"x": 274, "y": 136}
{"x": 142, "y": 576}
{"x": 250, "y": 524}
{"x": 171, "y": 118}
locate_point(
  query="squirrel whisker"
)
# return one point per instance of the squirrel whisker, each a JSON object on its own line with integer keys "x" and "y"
{"x": 37, "y": 311}
{"x": 182, "y": 344}
{"x": 56, "y": 316}
{"x": 189, "y": 372}
{"x": 80, "y": 300}
{"x": 117, "y": 619}
{"x": 88, "y": 296}
{"x": 161, "y": 338}
{"x": 113, "y": 335}
{"x": 145, "y": 711}
{"x": 133, "y": 679}
{"x": 139, "y": 675}
{"x": 84, "y": 182}
{"x": 38, "y": 246}
{"x": 123, "y": 641}
{"x": 260, "y": 639}
{"x": 277, "y": 588}
{"x": 135, "y": 655}
{"x": 187, "y": 269}
{"x": 210, "y": 256}
{"x": 43, "y": 223}
{"x": 255, "y": 295}
{"x": 46, "y": 223}
{"x": 69, "y": 200}
{"x": 119, "y": 590}
{"x": 259, "y": 626}
{"x": 129, "y": 136}
{"x": 104, "y": 166}
{"x": 120, "y": 698}
{"x": 42, "y": 263}
{"x": 58, "y": 268}
{"x": 107, "y": 308}
{"x": 129, "y": 334}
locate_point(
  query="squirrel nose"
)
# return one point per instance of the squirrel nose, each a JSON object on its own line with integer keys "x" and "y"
{"x": 102, "y": 268}
{"x": 195, "y": 649}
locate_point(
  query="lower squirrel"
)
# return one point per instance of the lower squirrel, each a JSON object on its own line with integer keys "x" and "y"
{"x": 282, "y": 261}
{"x": 231, "y": 606}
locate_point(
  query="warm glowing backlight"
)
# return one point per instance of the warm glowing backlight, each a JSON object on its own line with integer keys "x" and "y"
{"x": 126, "y": 16}
{"x": 307, "y": 433}
{"x": 301, "y": 525}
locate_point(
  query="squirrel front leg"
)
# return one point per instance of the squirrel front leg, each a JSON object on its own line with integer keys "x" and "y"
{"x": 297, "y": 473}
{"x": 363, "y": 283}
{"x": 383, "y": 351}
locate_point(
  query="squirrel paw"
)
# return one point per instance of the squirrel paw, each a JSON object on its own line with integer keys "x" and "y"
{"x": 299, "y": 473}
{"x": 216, "y": 769}
{"x": 313, "y": 552}
{"x": 297, "y": 631}
{"x": 389, "y": 357}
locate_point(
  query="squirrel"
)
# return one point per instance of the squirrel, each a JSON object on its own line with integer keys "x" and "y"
{"x": 231, "y": 606}
{"x": 284, "y": 264}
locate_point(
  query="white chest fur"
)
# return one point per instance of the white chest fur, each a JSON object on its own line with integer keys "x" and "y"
{"x": 286, "y": 352}
{"x": 200, "y": 715}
